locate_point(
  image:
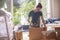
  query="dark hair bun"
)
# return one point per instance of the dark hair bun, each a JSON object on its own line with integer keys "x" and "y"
{"x": 39, "y": 5}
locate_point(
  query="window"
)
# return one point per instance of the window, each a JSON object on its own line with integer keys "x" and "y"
{"x": 46, "y": 8}
{"x": 21, "y": 10}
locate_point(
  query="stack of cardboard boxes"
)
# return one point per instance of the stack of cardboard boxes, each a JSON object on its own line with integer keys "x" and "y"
{"x": 38, "y": 34}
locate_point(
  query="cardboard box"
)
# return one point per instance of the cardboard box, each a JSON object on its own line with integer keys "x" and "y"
{"x": 58, "y": 39}
{"x": 52, "y": 36}
{"x": 14, "y": 35}
{"x": 44, "y": 36}
{"x": 51, "y": 39}
{"x": 58, "y": 35}
{"x": 57, "y": 28}
{"x": 36, "y": 34}
{"x": 18, "y": 35}
{"x": 58, "y": 32}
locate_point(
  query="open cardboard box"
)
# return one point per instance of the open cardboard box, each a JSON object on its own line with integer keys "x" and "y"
{"x": 36, "y": 34}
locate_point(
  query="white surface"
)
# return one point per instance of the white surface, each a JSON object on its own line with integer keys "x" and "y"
{"x": 25, "y": 35}
{"x": 53, "y": 25}
{"x": 2, "y": 27}
{"x": 3, "y": 32}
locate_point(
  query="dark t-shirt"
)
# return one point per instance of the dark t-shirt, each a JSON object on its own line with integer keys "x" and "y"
{"x": 35, "y": 16}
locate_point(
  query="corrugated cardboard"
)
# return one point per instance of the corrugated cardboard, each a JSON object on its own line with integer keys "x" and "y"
{"x": 57, "y": 28}
{"x": 18, "y": 35}
{"x": 51, "y": 39}
{"x": 58, "y": 39}
{"x": 44, "y": 36}
{"x": 52, "y": 36}
{"x": 58, "y": 35}
{"x": 58, "y": 32}
{"x": 36, "y": 34}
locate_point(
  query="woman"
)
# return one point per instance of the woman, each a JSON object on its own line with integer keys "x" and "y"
{"x": 36, "y": 15}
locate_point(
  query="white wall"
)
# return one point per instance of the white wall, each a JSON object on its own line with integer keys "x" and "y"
{"x": 55, "y": 8}
{"x": 10, "y": 6}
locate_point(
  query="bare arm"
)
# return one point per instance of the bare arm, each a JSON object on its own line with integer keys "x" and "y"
{"x": 43, "y": 21}
{"x": 28, "y": 19}
{"x": 45, "y": 28}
